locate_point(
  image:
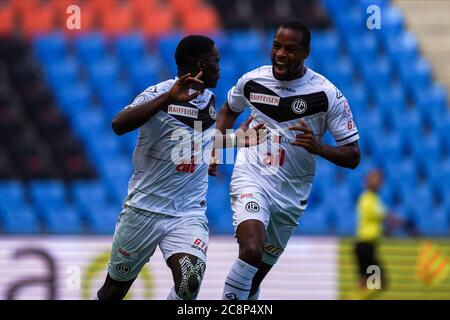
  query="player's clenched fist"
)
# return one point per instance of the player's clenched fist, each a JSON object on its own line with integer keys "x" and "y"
{"x": 306, "y": 139}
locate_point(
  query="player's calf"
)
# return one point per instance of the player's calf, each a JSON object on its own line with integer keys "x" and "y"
{"x": 113, "y": 289}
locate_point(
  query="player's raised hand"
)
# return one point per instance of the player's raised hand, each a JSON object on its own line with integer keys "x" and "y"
{"x": 247, "y": 137}
{"x": 180, "y": 89}
{"x": 306, "y": 139}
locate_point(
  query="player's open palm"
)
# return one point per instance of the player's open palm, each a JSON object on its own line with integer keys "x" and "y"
{"x": 181, "y": 87}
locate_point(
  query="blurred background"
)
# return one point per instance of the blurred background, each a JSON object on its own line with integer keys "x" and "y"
{"x": 64, "y": 173}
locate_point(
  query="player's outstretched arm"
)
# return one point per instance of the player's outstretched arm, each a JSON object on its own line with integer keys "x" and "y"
{"x": 347, "y": 156}
{"x": 244, "y": 136}
{"x": 132, "y": 118}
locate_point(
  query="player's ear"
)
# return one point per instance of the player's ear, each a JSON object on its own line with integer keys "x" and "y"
{"x": 306, "y": 52}
{"x": 201, "y": 64}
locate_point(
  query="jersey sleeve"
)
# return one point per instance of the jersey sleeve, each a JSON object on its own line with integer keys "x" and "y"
{"x": 340, "y": 120}
{"x": 236, "y": 99}
{"x": 148, "y": 95}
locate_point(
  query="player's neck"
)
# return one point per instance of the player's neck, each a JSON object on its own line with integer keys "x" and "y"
{"x": 299, "y": 74}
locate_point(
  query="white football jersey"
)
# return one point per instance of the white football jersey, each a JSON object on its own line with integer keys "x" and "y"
{"x": 171, "y": 158}
{"x": 283, "y": 170}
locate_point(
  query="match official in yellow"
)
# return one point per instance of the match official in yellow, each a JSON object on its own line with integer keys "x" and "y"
{"x": 370, "y": 228}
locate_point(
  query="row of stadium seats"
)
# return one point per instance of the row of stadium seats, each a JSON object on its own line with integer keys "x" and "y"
{"x": 154, "y": 17}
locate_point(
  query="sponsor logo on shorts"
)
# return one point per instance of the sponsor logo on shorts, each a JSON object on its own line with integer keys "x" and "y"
{"x": 123, "y": 268}
{"x": 246, "y": 195}
{"x": 252, "y": 206}
{"x": 124, "y": 253}
{"x": 200, "y": 245}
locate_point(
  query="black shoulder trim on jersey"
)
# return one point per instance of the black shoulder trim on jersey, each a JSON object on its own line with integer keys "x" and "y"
{"x": 288, "y": 108}
{"x": 207, "y": 115}
{"x": 354, "y": 134}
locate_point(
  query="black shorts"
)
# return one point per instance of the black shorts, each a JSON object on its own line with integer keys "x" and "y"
{"x": 366, "y": 256}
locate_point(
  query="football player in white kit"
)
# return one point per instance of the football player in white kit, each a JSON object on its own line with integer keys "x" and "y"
{"x": 270, "y": 186}
{"x": 166, "y": 199}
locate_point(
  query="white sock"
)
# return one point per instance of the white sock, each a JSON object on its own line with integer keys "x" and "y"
{"x": 173, "y": 295}
{"x": 239, "y": 281}
{"x": 255, "y": 296}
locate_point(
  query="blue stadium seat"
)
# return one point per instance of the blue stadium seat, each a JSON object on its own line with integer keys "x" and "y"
{"x": 387, "y": 147}
{"x": 62, "y": 73}
{"x": 91, "y": 47}
{"x": 400, "y": 172}
{"x": 11, "y": 194}
{"x": 218, "y": 206}
{"x": 313, "y": 222}
{"x": 402, "y": 47}
{"x": 50, "y": 48}
{"x": 102, "y": 218}
{"x": 74, "y": 98}
{"x": 102, "y": 146}
{"x": 104, "y": 72}
{"x": 357, "y": 98}
{"x": 325, "y": 46}
{"x": 439, "y": 176}
{"x": 89, "y": 194}
{"x": 431, "y": 99}
{"x": 20, "y": 221}
{"x": 344, "y": 217}
{"x": 418, "y": 197}
{"x": 407, "y": 124}
{"x": 392, "y": 21}
{"x": 340, "y": 71}
{"x": 427, "y": 148}
{"x": 128, "y": 141}
{"x": 114, "y": 97}
{"x": 434, "y": 222}
{"x": 415, "y": 73}
{"x": 351, "y": 20}
{"x": 47, "y": 193}
{"x": 243, "y": 43}
{"x": 363, "y": 47}
{"x": 391, "y": 99}
{"x": 144, "y": 73}
{"x": 89, "y": 123}
{"x": 62, "y": 220}
{"x": 167, "y": 46}
{"x": 130, "y": 48}
{"x": 377, "y": 73}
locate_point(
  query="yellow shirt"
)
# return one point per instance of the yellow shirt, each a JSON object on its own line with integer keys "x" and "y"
{"x": 371, "y": 213}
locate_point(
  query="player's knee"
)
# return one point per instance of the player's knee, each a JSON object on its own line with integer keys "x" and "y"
{"x": 191, "y": 278}
{"x": 252, "y": 253}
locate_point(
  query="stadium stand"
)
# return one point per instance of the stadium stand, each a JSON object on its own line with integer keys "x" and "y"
{"x": 56, "y": 124}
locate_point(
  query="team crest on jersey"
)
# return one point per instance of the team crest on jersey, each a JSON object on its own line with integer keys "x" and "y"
{"x": 212, "y": 111}
{"x": 299, "y": 106}
{"x": 182, "y": 111}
